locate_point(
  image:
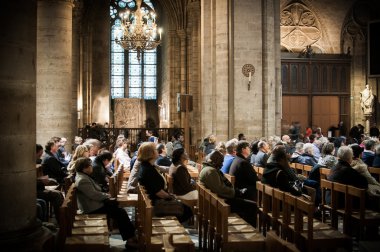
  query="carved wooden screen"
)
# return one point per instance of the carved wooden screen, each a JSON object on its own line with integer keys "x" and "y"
{"x": 320, "y": 75}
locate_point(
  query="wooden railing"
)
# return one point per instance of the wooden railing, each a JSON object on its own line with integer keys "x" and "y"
{"x": 108, "y": 136}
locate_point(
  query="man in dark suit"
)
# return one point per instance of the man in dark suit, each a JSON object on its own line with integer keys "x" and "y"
{"x": 50, "y": 164}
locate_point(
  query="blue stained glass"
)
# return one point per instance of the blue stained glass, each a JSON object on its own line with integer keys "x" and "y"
{"x": 117, "y": 81}
{"x": 117, "y": 58}
{"x": 134, "y": 81}
{"x": 149, "y": 3}
{"x": 150, "y": 81}
{"x": 134, "y": 70}
{"x": 122, "y": 4}
{"x": 131, "y": 4}
{"x": 117, "y": 92}
{"x": 134, "y": 92}
{"x": 150, "y": 58}
{"x": 149, "y": 69}
{"x": 150, "y": 93}
{"x": 117, "y": 70}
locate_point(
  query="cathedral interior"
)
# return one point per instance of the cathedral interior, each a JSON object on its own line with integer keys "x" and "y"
{"x": 247, "y": 66}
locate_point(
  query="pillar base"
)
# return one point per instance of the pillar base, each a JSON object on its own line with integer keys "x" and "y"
{"x": 36, "y": 238}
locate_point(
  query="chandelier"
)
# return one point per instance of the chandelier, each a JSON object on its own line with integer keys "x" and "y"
{"x": 138, "y": 30}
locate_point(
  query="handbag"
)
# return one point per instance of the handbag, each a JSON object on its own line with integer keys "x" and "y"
{"x": 168, "y": 207}
{"x": 296, "y": 187}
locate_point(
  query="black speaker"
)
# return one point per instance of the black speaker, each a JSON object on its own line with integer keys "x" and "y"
{"x": 374, "y": 49}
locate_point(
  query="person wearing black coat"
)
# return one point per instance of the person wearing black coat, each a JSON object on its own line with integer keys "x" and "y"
{"x": 278, "y": 173}
{"x": 51, "y": 166}
{"x": 245, "y": 175}
{"x": 344, "y": 173}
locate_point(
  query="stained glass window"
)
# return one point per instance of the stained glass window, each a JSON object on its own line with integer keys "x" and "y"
{"x": 129, "y": 77}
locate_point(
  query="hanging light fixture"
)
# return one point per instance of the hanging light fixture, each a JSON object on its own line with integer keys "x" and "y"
{"x": 138, "y": 30}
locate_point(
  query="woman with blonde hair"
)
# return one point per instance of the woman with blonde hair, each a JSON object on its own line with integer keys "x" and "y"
{"x": 80, "y": 151}
{"x": 153, "y": 181}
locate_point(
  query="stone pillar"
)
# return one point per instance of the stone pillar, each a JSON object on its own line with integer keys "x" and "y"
{"x": 54, "y": 70}
{"x": 77, "y": 99}
{"x": 193, "y": 66}
{"x": 19, "y": 229}
{"x": 270, "y": 67}
{"x": 99, "y": 54}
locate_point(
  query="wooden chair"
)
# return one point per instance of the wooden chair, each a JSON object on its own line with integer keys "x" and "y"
{"x": 307, "y": 238}
{"x": 124, "y": 198}
{"x": 359, "y": 215}
{"x": 204, "y": 215}
{"x": 259, "y": 171}
{"x": 273, "y": 242}
{"x": 278, "y": 208}
{"x": 200, "y": 212}
{"x": 326, "y": 187}
{"x": 306, "y": 170}
{"x": 375, "y": 172}
{"x": 230, "y": 178}
{"x": 324, "y": 172}
{"x": 152, "y": 229}
{"x": 288, "y": 217}
{"x": 267, "y": 208}
{"x": 169, "y": 181}
{"x": 260, "y": 205}
{"x": 84, "y": 234}
{"x": 338, "y": 204}
{"x": 298, "y": 168}
{"x": 231, "y": 241}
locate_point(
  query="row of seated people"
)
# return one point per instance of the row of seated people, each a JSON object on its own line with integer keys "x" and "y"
{"x": 91, "y": 179}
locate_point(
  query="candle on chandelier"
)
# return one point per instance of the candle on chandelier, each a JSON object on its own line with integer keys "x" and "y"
{"x": 249, "y": 76}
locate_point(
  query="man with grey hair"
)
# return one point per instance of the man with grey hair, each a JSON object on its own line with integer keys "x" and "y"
{"x": 263, "y": 154}
{"x": 230, "y": 156}
{"x": 93, "y": 146}
{"x": 344, "y": 173}
{"x": 297, "y": 153}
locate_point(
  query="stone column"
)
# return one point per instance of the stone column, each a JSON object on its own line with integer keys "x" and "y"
{"x": 54, "y": 70}
{"x": 194, "y": 69}
{"x": 99, "y": 54}
{"x": 77, "y": 99}
{"x": 19, "y": 229}
{"x": 270, "y": 67}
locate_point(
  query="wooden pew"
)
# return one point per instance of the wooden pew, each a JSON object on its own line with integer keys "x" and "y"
{"x": 361, "y": 217}
{"x": 375, "y": 172}
{"x": 324, "y": 172}
{"x": 306, "y": 170}
{"x": 230, "y": 178}
{"x": 87, "y": 233}
{"x": 248, "y": 239}
{"x": 116, "y": 182}
{"x": 307, "y": 238}
{"x": 152, "y": 229}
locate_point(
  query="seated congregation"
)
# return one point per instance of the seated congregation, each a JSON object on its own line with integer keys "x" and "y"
{"x": 286, "y": 194}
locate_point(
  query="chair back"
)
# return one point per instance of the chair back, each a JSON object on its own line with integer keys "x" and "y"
{"x": 230, "y": 178}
